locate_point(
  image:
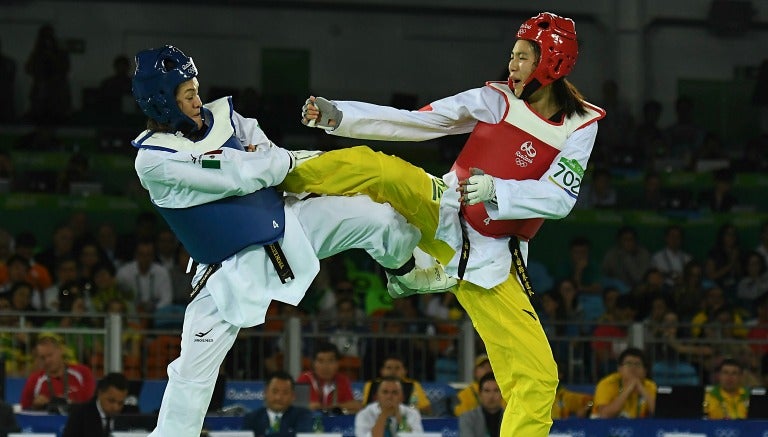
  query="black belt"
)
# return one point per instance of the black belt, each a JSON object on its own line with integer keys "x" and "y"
{"x": 464, "y": 248}
{"x": 275, "y": 254}
{"x": 518, "y": 264}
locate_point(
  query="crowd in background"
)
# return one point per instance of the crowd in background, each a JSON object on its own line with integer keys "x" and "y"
{"x": 712, "y": 297}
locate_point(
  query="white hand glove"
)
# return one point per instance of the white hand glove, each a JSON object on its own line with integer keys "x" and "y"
{"x": 479, "y": 188}
{"x": 299, "y": 157}
{"x": 329, "y": 117}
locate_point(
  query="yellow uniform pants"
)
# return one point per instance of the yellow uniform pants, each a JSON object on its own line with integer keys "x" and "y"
{"x": 503, "y": 316}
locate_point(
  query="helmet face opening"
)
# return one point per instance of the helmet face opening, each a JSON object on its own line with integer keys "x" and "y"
{"x": 555, "y": 37}
{"x": 158, "y": 73}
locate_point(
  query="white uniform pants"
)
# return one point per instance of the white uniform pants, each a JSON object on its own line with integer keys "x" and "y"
{"x": 333, "y": 225}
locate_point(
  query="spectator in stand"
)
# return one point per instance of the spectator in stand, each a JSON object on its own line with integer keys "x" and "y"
{"x": 628, "y": 392}
{"x": 25, "y": 244}
{"x": 660, "y": 306}
{"x": 62, "y": 246}
{"x": 672, "y": 258}
{"x": 553, "y": 319}
{"x": 166, "y": 245}
{"x": 721, "y": 198}
{"x": 57, "y": 383}
{"x": 728, "y": 342}
{"x": 444, "y": 306}
{"x": 613, "y": 137}
{"x": 14, "y": 346}
{"x": 724, "y": 260}
{"x": 279, "y": 417}
{"x": 144, "y": 229}
{"x": 671, "y": 364}
{"x": 89, "y": 255}
{"x": 106, "y": 289}
{"x": 66, "y": 272}
{"x": 754, "y": 283}
{"x": 330, "y": 391}
{"x": 346, "y": 332}
{"x": 689, "y": 295}
{"x": 78, "y": 169}
{"x": 80, "y": 222}
{"x": 574, "y": 312}
{"x": 387, "y": 416}
{"x": 413, "y": 393}
{"x": 581, "y": 267}
{"x": 645, "y": 293}
{"x": 424, "y": 347}
{"x": 48, "y": 65}
{"x": 714, "y": 301}
{"x": 149, "y": 281}
{"x": 628, "y": 260}
{"x": 600, "y": 193}
{"x": 469, "y": 395}
{"x": 649, "y": 140}
{"x": 569, "y": 403}
{"x": 321, "y": 296}
{"x": 610, "y": 297}
{"x": 611, "y": 337}
{"x": 485, "y": 419}
{"x": 117, "y": 87}
{"x": 96, "y": 417}
{"x": 132, "y": 340}
{"x": 684, "y": 136}
{"x": 20, "y": 295}
{"x": 106, "y": 238}
{"x": 17, "y": 270}
{"x": 653, "y": 196}
{"x": 73, "y": 309}
{"x": 729, "y": 398}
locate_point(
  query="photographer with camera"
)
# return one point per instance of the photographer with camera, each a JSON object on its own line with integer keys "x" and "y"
{"x": 58, "y": 383}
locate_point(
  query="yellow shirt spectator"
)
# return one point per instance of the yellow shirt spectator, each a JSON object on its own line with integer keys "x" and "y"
{"x": 570, "y": 403}
{"x": 627, "y": 392}
{"x": 729, "y": 399}
{"x": 719, "y": 404}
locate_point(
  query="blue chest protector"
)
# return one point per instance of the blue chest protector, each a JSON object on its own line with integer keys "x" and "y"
{"x": 214, "y": 231}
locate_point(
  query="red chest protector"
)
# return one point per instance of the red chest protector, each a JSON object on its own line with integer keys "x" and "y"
{"x": 512, "y": 151}
{"x": 507, "y": 152}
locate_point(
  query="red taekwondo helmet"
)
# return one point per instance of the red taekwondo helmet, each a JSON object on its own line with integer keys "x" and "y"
{"x": 556, "y": 38}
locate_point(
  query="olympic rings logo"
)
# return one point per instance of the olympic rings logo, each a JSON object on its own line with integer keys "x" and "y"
{"x": 621, "y": 432}
{"x": 727, "y": 432}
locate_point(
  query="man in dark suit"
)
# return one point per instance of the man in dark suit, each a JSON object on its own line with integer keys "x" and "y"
{"x": 95, "y": 418}
{"x": 7, "y": 418}
{"x": 279, "y": 417}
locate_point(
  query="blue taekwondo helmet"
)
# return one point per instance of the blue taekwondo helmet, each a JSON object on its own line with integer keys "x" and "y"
{"x": 158, "y": 73}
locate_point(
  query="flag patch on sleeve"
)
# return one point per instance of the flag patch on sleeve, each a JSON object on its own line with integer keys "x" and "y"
{"x": 211, "y": 163}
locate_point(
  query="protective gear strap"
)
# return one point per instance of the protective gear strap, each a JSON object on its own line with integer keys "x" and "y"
{"x": 518, "y": 266}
